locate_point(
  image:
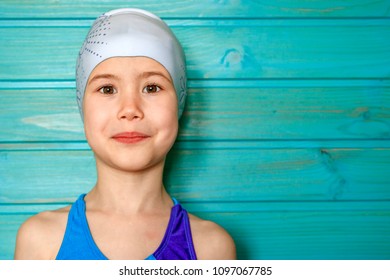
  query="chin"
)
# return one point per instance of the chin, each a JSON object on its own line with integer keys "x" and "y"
{"x": 136, "y": 166}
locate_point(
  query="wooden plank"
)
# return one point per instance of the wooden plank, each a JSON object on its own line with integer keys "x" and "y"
{"x": 191, "y": 8}
{"x": 224, "y": 175}
{"x": 46, "y": 115}
{"x": 252, "y": 111}
{"x": 287, "y": 113}
{"x": 330, "y": 230}
{"x": 211, "y": 145}
{"x": 282, "y": 174}
{"x": 317, "y": 235}
{"x": 221, "y": 49}
{"x": 9, "y": 225}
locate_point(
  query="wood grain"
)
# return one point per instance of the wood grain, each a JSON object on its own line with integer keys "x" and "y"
{"x": 252, "y": 111}
{"x": 225, "y": 175}
{"x": 241, "y": 49}
{"x": 194, "y": 8}
{"x": 285, "y": 137}
{"x": 292, "y": 231}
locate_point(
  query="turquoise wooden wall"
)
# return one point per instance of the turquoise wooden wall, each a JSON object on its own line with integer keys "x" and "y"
{"x": 285, "y": 138}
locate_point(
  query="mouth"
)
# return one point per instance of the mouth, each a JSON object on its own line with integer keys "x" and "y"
{"x": 130, "y": 137}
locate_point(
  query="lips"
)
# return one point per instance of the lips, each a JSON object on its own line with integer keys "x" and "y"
{"x": 130, "y": 137}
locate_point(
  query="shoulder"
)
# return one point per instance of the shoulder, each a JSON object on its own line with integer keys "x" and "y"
{"x": 211, "y": 241}
{"x": 40, "y": 236}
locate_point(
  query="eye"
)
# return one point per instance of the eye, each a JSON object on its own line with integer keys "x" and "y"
{"x": 107, "y": 90}
{"x": 151, "y": 89}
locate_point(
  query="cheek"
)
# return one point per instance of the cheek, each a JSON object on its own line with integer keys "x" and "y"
{"x": 168, "y": 113}
{"x": 163, "y": 115}
{"x": 169, "y": 124}
{"x": 168, "y": 135}
{"x": 94, "y": 118}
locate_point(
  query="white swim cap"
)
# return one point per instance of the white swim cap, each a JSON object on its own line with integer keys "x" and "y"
{"x": 131, "y": 32}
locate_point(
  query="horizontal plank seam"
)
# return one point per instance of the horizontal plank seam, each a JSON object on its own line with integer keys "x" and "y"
{"x": 210, "y": 144}
{"x": 238, "y": 207}
{"x": 204, "y": 22}
{"x": 236, "y": 202}
{"x": 221, "y": 83}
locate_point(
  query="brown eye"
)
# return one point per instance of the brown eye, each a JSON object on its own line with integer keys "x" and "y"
{"x": 151, "y": 89}
{"x": 107, "y": 90}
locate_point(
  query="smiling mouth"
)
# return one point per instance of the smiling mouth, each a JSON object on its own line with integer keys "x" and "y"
{"x": 130, "y": 137}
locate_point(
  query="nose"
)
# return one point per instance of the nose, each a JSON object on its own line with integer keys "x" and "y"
{"x": 130, "y": 107}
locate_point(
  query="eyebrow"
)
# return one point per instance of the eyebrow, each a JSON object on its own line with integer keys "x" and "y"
{"x": 142, "y": 75}
{"x": 103, "y": 76}
{"x": 148, "y": 74}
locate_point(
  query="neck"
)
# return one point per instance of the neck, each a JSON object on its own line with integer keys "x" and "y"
{"x": 129, "y": 192}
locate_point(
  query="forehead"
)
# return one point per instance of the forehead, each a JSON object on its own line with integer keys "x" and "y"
{"x": 130, "y": 65}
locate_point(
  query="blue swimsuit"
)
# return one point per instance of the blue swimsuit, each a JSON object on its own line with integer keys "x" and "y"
{"x": 78, "y": 243}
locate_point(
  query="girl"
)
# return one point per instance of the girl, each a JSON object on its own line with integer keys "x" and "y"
{"x": 131, "y": 88}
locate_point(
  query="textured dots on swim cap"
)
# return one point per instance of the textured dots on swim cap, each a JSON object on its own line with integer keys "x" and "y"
{"x": 131, "y": 32}
{"x": 96, "y": 35}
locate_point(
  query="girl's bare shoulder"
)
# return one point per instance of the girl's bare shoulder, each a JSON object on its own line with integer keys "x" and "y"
{"x": 211, "y": 241}
{"x": 40, "y": 236}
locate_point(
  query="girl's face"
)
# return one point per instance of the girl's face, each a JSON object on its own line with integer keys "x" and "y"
{"x": 130, "y": 113}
